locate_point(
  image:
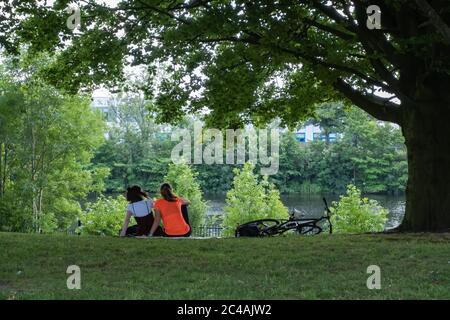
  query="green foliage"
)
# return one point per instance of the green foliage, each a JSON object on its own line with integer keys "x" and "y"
{"x": 251, "y": 199}
{"x": 65, "y": 211}
{"x": 47, "y": 139}
{"x": 354, "y": 214}
{"x": 137, "y": 152}
{"x": 235, "y": 64}
{"x": 104, "y": 216}
{"x": 184, "y": 183}
{"x": 215, "y": 178}
{"x": 369, "y": 154}
{"x": 11, "y": 217}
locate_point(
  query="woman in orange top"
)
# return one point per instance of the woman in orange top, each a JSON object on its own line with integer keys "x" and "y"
{"x": 169, "y": 210}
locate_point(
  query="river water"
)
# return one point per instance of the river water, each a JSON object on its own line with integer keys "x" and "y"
{"x": 314, "y": 207}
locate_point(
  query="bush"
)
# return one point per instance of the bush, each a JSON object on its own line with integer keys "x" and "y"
{"x": 184, "y": 183}
{"x": 353, "y": 214}
{"x": 103, "y": 217}
{"x": 65, "y": 211}
{"x": 250, "y": 199}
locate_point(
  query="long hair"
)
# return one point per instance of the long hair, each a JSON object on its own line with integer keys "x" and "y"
{"x": 166, "y": 192}
{"x": 135, "y": 194}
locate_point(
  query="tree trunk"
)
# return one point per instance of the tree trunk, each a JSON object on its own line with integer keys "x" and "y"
{"x": 33, "y": 183}
{"x": 1, "y": 168}
{"x": 5, "y": 168}
{"x": 40, "y": 208}
{"x": 427, "y": 137}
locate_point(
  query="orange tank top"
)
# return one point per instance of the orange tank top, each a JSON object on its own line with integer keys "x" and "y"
{"x": 172, "y": 217}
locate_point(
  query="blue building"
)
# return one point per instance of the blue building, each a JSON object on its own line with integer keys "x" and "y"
{"x": 311, "y": 132}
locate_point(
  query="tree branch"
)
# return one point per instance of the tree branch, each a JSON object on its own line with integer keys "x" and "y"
{"x": 334, "y": 15}
{"x": 380, "y": 108}
{"x": 435, "y": 19}
{"x": 163, "y": 12}
{"x": 329, "y": 29}
{"x": 254, "y": 40}
{"x": 375, "y": 38}
{"x": 335, "y": 66}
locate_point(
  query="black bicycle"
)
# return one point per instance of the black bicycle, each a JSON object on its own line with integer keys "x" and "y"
{"x": 296, "y": 223}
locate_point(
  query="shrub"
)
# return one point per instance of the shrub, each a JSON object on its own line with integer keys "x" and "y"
{"x": 103, "y": 217}
{"x": 184, "y": 183}
{"x": 354, "y": 214}
{"x": 251, "y": 199}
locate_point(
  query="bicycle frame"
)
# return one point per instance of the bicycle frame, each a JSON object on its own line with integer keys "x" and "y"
{"x": 308, "y": 224}
{"x": 301, "y": 225}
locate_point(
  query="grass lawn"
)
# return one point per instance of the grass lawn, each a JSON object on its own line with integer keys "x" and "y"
{"x": 317, "y": 267}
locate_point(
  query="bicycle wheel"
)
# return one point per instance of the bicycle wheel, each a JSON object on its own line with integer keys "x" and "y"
{"x": 256, "y": 228}
{"x": 309, "y": 230}
{"x": 284, "y": 227}
{"x": 325, "y": 225}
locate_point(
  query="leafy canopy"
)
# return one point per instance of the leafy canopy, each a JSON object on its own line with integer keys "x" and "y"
{"x": 47, "y": 139}
{"x": 246, "y": 60}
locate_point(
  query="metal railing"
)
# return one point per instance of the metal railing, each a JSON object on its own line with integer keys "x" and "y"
{"x": 200, "y": 231}
{"x": 207, "y": 231}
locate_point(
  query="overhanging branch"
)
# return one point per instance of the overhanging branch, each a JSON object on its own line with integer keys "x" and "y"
{"x": 380, "y": 108}
{"x": 435, "y": 19}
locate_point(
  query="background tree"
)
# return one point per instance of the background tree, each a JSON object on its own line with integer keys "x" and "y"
{"x": 259, "y": 59}
{"x": 47, "y": 144}
{"x": 184, "y": 183}
{"x": 251, "y": 198}
{"x": 329, "y": 117}
{"x": 367, "y": 153}
{"x": 295, "y": 173}
{"x": 137, "y": 150}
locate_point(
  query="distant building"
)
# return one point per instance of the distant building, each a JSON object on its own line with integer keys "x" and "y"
{"x": 305, "y": 134}
{"x": 104, "y": 105}
{"x": 311, "y": 132}
{"x": 101, "y": 103}
{"x": 107, "y": 106}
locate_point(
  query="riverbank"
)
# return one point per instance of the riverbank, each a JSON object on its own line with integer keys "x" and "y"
{"x": 320, "y": 267}
{"x": 312, "y": 204}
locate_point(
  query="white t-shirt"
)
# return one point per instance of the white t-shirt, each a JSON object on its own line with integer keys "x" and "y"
{"x": 140, "y": 208}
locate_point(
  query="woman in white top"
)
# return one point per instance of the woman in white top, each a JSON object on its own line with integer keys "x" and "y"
{"x": 140, "y": 207}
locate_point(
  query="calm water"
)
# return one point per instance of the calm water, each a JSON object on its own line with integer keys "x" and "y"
{"x": 313, "y": 205}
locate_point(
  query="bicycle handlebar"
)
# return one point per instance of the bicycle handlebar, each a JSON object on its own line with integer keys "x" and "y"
{"x": 328, "y": 214}
{"x": 326, "y": 206}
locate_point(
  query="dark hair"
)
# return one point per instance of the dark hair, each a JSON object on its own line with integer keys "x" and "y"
{"x": 166, "y": 192}
{"x": 135, "y": 194}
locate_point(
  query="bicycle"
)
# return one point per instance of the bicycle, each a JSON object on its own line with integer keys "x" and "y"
{"x": 296, "y": 222}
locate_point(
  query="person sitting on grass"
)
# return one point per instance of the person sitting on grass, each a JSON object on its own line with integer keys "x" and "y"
{"x": 169, "y": 210}
{"x": 140, "y": 207}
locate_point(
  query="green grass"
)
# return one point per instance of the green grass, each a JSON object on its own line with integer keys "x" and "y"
{"x": 317, "y": 267}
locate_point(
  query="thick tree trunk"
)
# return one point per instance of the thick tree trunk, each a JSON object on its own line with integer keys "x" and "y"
{"x": 427, "y": 135}
{"x": 1, "y": 168}
{"x": 5, "y": 168}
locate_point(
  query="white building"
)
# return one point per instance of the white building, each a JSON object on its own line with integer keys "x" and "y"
{"x": 313, "y": 133}
{"x": 103, "y": 103}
